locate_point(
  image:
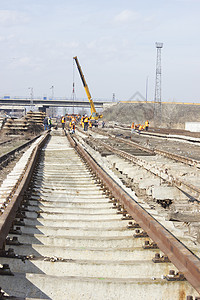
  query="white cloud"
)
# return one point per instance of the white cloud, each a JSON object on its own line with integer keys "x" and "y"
{"x": 6, "y": 38}
{"x": 12, "y": 18}
{"x": 25, "y": 63}
{"x": 135, "y": 20}
{"x": 126, "y": 16}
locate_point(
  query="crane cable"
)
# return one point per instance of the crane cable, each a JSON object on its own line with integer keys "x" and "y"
{"x": 73, "y": 86}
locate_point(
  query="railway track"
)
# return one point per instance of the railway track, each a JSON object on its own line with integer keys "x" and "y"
{"x": 9, "y": 156}
{"x": 78, "y": 235}
{"x": 181, "y": 175}
{"x": 182, "y": 135}
{"x": 5, "y": 142}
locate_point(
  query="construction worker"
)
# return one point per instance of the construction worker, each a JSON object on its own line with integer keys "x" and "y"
{"x": 140, "y": 128}
{"x": 73, "y": 126}
{"x": 90, "y": 124}
{"x": 86, "y": 120}
{"x": 49, "y": 122}
{"x": 132, "y": 127}
{"x": 45, "y": 123}
{"x": 82, "y": 121}
{"x": 63, "y": 122}
{"x": 147, "y": 125}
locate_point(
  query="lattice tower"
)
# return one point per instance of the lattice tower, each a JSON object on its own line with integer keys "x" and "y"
{"x": 157, "y": 99}
{"x": 159, "y": 46}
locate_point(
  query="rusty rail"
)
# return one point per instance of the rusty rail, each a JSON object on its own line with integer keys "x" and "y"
{"x": 8, "y": 216}
{"x": 180, "y": 158}
{"x": 175, "y": 135}
{"x": 180, "y": 184}
{"x": 179, "y": 255}
{"x": 6, "y": 156}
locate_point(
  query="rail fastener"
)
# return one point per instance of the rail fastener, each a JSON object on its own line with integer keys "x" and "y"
{"x": 126, "y": 217}
{"x": 5, "y": 270}
{"x": 140, "y": 234}
{"x": 160, "y": 259}
{"x": 150, "y": 245}
{"x": 132, "y": 225}
{"x": 175, "y": 276}
{"x": 14, "y": 241}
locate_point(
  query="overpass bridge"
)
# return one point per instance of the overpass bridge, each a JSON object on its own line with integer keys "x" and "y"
{"x": 42, "y": 104}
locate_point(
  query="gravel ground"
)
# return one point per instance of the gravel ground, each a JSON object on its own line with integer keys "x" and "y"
{"x": 4, "y": 148}
{"x": 177, "y": 147}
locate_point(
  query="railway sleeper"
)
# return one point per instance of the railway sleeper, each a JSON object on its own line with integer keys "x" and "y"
{"x": 89, "y": 276}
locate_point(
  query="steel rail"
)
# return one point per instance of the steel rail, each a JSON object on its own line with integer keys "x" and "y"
{"x": 177, "y": 157}
{"x": 185, "y": 261}
{"x": 187, "y": 138}
{"x": 5, "y": 156}
{"x": 180, "y": 158}
{"x": 180, "y": 184}
{"x": 9, "y": 214}
{"x": 7, "y": 141}
{"x": 123, "y": 141}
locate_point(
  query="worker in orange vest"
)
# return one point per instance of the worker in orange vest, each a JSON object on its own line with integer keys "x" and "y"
{"x": 82, "y": 121}
{"x": 140, "y": 128}
{"x": 63, "y": 122}
{"x": 90, "y": 124}
{"x": 147, "y": 125}
{"x": 132, "y": 127}
{"x": 86, "y": 121}
{"x": 73, "y": 126}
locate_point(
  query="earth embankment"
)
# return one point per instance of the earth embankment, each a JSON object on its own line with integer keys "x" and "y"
{"x": 167, "y": 115}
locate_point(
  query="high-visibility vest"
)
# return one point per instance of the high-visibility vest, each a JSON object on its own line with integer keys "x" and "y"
{"x": 132, "y": 126}
{"x": 86, "y": 120}
{"x": 63, "y": 120}
{"x": 146, "y": 123}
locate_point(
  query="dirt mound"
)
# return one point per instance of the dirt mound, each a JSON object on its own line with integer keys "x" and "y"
{"x": 165, "y": 115}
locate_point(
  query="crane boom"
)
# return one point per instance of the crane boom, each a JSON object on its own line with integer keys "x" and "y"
{"x": 94, "y": 114}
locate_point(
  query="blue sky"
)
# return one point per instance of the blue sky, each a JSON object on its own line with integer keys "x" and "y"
{"x": 114, "y": 41}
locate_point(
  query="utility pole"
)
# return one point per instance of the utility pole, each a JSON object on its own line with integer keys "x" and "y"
{"x": 73, "y": 95}
{"x": 31, "y": 97}
{"x": 147, "y": 79}
{"x": 157, "y": 99}
{"x": 73, "y": 86}
{"x": 52, "y": 92}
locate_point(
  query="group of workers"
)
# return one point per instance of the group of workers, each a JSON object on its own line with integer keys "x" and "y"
{"x": 72, "y": 122}
{"x": 139, "y": 127}
{"x": 86, "y": 122}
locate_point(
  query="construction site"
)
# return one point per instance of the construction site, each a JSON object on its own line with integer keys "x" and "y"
{"x": 104, "y": 205}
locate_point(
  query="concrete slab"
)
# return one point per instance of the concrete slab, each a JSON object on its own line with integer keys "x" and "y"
{"x": 89, "y": 268}
{"x": 163, "y": 192}
{"x": 55, "y": 287}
